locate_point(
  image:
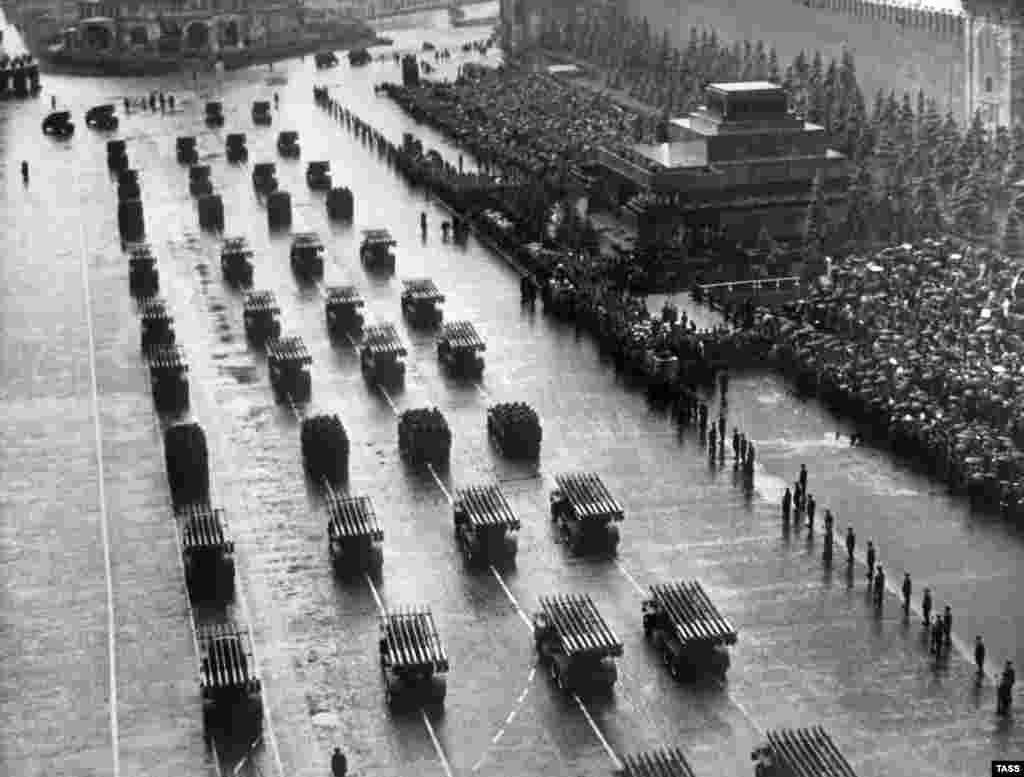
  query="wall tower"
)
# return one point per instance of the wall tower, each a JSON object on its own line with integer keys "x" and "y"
{"x": 994, "y": 61}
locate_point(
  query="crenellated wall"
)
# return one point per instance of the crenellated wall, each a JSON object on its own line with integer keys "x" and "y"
{"x": 895, "y": 47}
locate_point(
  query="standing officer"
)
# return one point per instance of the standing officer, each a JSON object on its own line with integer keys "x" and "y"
{"x": 787, "y": 501}
{"x": 339, "y": 764}
{"x": 828, "y": 521}
{"x": 851, "y": 544}
{"x": 947, "y": 626}
{"x": 926, "y": 606}
{"x": 803, "y": 478}
{"x": 871, "y": 560}
{"x": 879, "y": 586}
{"x": 979, "y": 655}
{"x": 906, "y": 593}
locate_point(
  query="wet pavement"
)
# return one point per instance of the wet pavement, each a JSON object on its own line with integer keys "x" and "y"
{"x": 811, "y": 648}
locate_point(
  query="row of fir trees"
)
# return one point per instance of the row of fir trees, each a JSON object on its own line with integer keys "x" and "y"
{"x": 914, "y": 171}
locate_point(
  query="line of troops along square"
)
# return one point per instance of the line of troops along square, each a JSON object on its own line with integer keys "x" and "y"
{"x": 411, "y": 648}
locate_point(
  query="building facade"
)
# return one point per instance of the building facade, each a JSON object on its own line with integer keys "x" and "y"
{"x": 971, "y": 59}
{"x": 740, "y": 164}
{"x": 194, "y": 27}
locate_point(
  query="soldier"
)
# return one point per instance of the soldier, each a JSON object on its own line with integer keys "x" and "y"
{"x": 879, "y": 586}
{"x": 1004, "y": 692}
{"x": 24, "y": 171}
{"x": 936, "y": 648}
{"x": 871, "y": 560}
{"x": 926, "y": 606}
{"x": 744, "y": 447}
{"x": 736, "y": 445}
{"x": 423, "y": 223}
{"x": 787, "y": 501}
{"x": 750, "y": 456}
{"x": 979, "y": 655}
{"x": 947, "y": 626}
{"x": 851, "y": 544}
{"x": 828, "y": 521}
{"x": 906, "y": 593}
{"x": 721, "y": 428}
{"x": 803, "y": 477}
{"x": 826, "y": 553}
{"x": 810, "y": 511}
{"x": 711, "y": 440}
{"x": 339, "y": 764}
{"x": 170, "y": 102}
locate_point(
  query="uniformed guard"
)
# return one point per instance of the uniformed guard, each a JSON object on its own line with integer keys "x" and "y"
{"x": 787, "y": 501}
{"x": 937, "y": 636}
{"x": 979, "y": 655}
{"x": 906, "y": 593}
{"x": 879, "y": 586}
{"x": 826, "y": 552}
{"x": 339, "y": 764}
{"x": 810, "y": 511}
{"x": 24, "y": 171}
{"x": 736, "y": 445}
{"x": 871, "y": 560}
{"x": 947, "y": 626}
{"x": 851, "y": 544}
{"x": 926, "y": 606}
{"x": 803, "y": 477}
{"x": 828, "y": 521}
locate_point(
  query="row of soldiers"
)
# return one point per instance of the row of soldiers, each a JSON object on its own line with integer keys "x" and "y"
{"x": 940, "y": 628}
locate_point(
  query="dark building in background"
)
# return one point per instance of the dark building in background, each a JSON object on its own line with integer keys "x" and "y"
{"x": 738, "y": 164}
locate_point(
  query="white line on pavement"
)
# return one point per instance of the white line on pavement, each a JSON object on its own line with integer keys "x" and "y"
{"x": 597, "y": 733}
{"x": 388, "y": 399}
{"x": 630, "y": 578}
{"x": 511, "y": 598}
{"x": 376, "y": 596}
{"x": 104, "y": 528}
{"x": 444, "y": 490}
{"x": 437, "y": 745}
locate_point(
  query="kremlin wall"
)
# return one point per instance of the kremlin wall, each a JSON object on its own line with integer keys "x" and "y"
{"x": 964, "y": 60}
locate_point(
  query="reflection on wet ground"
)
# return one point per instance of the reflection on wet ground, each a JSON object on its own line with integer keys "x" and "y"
{"x": 811, "y": 647}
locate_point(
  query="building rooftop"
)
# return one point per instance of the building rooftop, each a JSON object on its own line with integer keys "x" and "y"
{"x": 680, "y": 153}
{"x": 745, "y": 87}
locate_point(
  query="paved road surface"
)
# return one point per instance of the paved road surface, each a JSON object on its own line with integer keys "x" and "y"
{"x": 811, "y": 649}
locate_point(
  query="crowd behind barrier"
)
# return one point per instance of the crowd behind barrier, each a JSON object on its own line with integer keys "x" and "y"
{"x": 921, "y": 343}
{"x": 529, "y": 123}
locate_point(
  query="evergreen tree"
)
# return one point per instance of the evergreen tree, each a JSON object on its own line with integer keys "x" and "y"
{"x": 891, "y": 112}
{"x": 905, "y": 123}
{"x": 922, "y": 108}
{"x": 927, "y": 213}
{"x": 931, "y": 126}
{"x": 816, "y": 222}
{"x": 1013, "y": 241}
{"x": 878, "y": 112}
{"x": 773, "y": 66}
{"x": 858, "y": 216}
{"x": 971, "y": 216}
{"x": 848, "y": 75}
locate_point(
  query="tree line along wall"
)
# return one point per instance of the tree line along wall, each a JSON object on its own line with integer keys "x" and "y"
{"x": 894, "y": 47}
